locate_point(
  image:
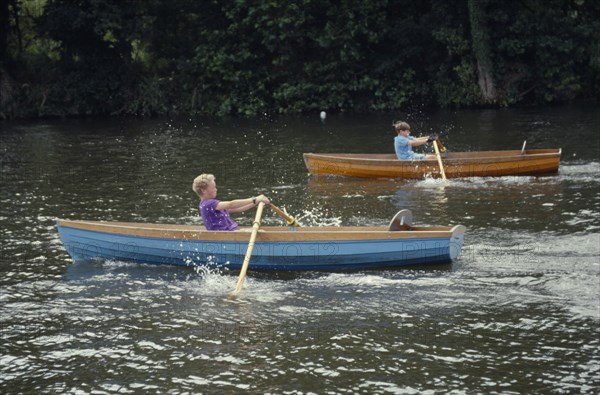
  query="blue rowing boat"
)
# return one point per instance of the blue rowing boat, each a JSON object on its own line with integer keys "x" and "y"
{"x": 276, "y": 248}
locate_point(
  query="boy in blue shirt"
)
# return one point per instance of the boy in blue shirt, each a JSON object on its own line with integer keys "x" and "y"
{"x": 404, "y": 143}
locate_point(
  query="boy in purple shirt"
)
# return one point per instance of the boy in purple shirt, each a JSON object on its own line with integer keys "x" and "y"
{"x": 215, "y": 213}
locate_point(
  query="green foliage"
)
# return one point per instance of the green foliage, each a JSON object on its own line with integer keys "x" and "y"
{"x": 155, "y": 57}
{"x": 545, "y": 48}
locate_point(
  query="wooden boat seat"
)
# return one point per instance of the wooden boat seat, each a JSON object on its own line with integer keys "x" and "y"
{"x": 401, "y": 221}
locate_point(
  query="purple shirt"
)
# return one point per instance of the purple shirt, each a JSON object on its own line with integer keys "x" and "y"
{"x": 216, "y": 219}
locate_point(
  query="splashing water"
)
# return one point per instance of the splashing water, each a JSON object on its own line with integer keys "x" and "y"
{"x": 318, "y": 217}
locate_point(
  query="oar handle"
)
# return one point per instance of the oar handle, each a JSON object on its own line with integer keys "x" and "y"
{"x": 289, "y": 219}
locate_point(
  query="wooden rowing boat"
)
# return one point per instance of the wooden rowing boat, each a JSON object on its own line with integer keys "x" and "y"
{"x": 456, "y": 164}
{"x": 276, "y": 248}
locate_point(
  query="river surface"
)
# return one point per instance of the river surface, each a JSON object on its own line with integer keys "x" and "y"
{"x": 517, "y": 313}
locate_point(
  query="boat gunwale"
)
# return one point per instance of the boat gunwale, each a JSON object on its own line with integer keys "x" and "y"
{"x": 266, "y": 234}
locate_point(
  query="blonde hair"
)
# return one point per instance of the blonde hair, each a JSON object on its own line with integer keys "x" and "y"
{"x": 401, "y": 125}
{"x": 201, "y": 183}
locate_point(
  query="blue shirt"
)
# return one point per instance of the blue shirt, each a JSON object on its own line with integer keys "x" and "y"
{"x": 403, "y": 149}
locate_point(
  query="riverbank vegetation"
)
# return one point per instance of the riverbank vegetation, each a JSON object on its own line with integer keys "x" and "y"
{"x": 219, "y": 57}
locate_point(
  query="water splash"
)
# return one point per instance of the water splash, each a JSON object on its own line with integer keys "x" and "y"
{"x": 430, "y": 182}
{"x": 580, "y": 172}
{"x": 318, "y": 217}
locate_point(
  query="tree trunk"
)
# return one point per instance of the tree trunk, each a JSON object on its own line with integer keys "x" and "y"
{"x": 4, "y": 29}
{"x": 482, "y": 52}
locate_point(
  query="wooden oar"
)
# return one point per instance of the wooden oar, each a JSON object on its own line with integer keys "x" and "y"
{"x": 440, "y": 145}
{"x": 255, "y": 227}
{"x": 439, "y": 159}
{"x": 291, "y": 221}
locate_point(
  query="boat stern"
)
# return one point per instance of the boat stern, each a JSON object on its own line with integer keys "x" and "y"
{"x": 456, "y": 241}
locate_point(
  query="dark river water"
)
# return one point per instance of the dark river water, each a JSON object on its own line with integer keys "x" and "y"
{"x": 517, "y": 313}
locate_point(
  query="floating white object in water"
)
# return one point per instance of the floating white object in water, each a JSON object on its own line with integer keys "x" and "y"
{"x": 323, "y": 115}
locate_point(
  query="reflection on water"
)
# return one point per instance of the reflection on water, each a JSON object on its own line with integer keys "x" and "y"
{"x": 516, "y": 313}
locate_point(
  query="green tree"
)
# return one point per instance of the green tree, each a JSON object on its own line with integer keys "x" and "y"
{"x": 158, "y": 57}
{"x": 95, "y": 64}
{"x": 545, "y": 49}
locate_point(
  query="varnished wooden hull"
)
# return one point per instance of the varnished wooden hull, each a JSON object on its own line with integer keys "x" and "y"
{"x": 276, "y": 248}
{"x": 456, "y": 164}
